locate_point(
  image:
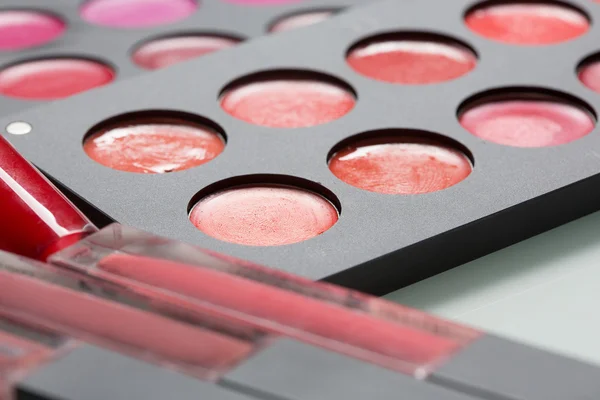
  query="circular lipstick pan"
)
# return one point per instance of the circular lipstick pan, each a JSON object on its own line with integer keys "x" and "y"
{"x": 588, "y": 72}
{"x": 23, "y": 29}
{"x": 288, "y": 99}
{"x": 527, "y": 118}
{"x": 269, "y": 213}
{"x": 163, "y": 52}
{"x": 56, "y": 78}
{"x": 301, "y": 19}
{"x": 136, "y": 13}
{"x": 527, "y": 22}
{"x": 400, "y": 161}
{"x": 411, "y": 58}
{"x": 154, "y": 142}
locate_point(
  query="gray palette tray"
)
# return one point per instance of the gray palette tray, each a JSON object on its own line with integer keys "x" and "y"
{"x": 381, "y": 242}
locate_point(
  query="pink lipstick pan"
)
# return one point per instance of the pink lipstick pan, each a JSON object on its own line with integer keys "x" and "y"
{"x": 404, "y": 144}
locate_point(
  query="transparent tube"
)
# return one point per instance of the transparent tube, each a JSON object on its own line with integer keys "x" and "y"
{"x": 335, "y": 318}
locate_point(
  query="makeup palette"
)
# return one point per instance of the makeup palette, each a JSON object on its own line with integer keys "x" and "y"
{"x": 372, "y": 150}
{"x": 241, "y": 330}
{"x": 52, "y": 50}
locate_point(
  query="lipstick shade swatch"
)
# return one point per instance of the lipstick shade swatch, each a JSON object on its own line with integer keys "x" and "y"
{"x": 300, "y": 20}
{"x": 589, "y": 75}
{"x": 21, "y": 29}
{"x": 49, "y": 79}
{"x": 154, "y": 146}
{"x": 527, "y": 23}
{"x": 136, "y": 13}
{"x": 288, "y": 103}
{"x": 161, "y": 53}
{"x": 527, "y": 123}
{"x": 266, "y": 215}
{"x": 400, "y": 165}
{"x": 411, "y": 62}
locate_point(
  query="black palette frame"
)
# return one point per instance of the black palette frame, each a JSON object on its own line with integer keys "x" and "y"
{"x": 381, "y": 242}
{"x": 114, "y": 46}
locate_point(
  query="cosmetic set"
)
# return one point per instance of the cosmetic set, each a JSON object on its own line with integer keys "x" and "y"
{"x": 52, "y": 50}
{"x": 122, "y": 313}
{"x": 372, "y": 150}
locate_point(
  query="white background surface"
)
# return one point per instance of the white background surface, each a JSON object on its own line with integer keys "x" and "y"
{"x": 544, "y": 291}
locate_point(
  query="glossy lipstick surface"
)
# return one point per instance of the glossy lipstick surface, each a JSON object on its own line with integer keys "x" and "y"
{"x": 264, "y": 215}
{"x": 411, "y": 62}
{"x": 50, "y": 79}
{"x": 527, "y": 23}
{"x": 20, "y": 29}
{"x": 41, "y": 220}
{"x": 136, "y": 13}
{"x": 161, "y": 53}
{"x": 523, "y": 123}
{"x": 400, "y": 165}
{"x": 153, "y": 145}
{"x": 288, "y": 103}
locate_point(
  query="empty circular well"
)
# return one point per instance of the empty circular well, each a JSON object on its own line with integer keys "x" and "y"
{"x": 161, "y": 53}
{"x": 136, "y": 13}
{"x": 21, "y": 29}
{"x": 154, "y": 142}
{"x": 263, "y": 214}
{"x": 527, "y": 118}
{"x": 527, "y": 23}
{"x": 400, "y": 161}
{"x": 57, "y": 78}
{"x": 411, "y": 58}
{"x": 288, "y": 99}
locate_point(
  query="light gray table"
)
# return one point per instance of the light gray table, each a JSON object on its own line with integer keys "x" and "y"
{"x": 544, "y": 291}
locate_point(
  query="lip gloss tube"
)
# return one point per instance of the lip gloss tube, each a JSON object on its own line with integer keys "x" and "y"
{"x": 40, "y": 363}
{"x": 111, "y": 316}
{"x": 319, "y": 314}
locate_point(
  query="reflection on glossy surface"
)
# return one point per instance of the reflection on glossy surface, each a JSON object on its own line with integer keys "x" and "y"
{"x": 264, "y": 215}
{"x": 289, "y": 103}
{"x": 411, "y": 61}
{"x": 400, "y": 165}
{"x": 136, "y": 13}
{"x": 39, "y": 217}
{"x": 53, "y": 78}
{"x": 527, "y": 123}
{"x": 300, "y": 20}
{"x": 161, "y": 53}
{"x": 154, "y": 147}
{"x": 24, "y": 29}
{"x": 528, "y": 24}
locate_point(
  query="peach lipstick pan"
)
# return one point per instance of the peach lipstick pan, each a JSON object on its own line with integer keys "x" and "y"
{"x": 372, "y": 150}
{"x": 147, "y": 307}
